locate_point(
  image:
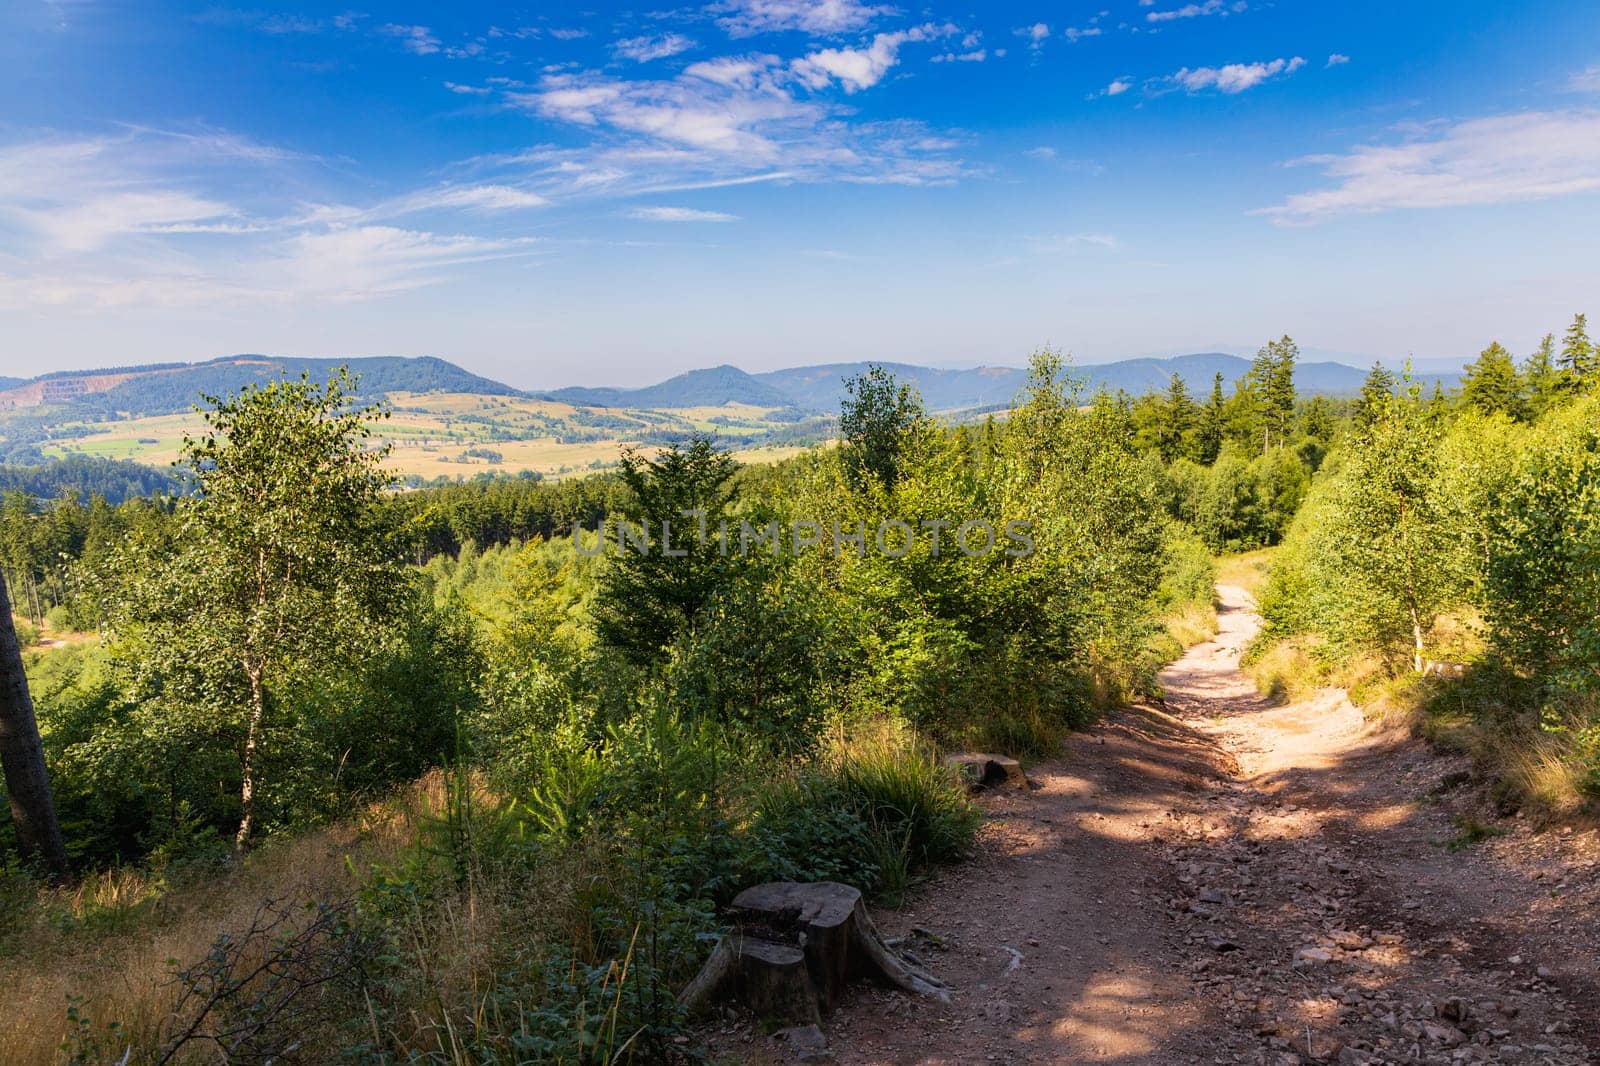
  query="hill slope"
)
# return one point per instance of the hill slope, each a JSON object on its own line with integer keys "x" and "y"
{"x": 172, "y": 388}
{"x": 697, "y": 388}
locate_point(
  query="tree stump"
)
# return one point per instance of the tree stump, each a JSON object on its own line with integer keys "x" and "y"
{"x": 982, "y": 770}
{"x": 793, "y": 949}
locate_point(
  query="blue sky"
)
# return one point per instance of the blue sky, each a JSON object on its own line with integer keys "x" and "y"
{"x": 595, "y": 193}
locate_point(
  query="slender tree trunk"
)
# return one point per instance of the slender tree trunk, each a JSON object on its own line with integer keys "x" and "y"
{"x": 33, "y": 808}
{"x": 247, "y": 789}
{"x": 1416, "y": 636}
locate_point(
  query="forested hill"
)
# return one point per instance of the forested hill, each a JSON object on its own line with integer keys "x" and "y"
{"x": 85, "y": 477}
{"x": 173, "y": 388}
{"x": 821, "y": 387}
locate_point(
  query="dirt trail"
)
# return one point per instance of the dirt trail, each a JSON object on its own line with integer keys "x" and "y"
{"x": 1220, "y": 880}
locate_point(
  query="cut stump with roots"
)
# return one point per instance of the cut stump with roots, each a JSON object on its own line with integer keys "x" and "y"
{"x": 981, "y": 770}
{"x": 794, "y": 947}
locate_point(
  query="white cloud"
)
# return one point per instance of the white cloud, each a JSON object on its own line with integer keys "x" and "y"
{"x": 364, "y": 262}
{"x": 861, "y": 68}
{"x": 1189, "y": 11}
{"x": 466, "y": 197}
{"x": 418, "y": 40}
{"x": 645, "y": 49}
{"x": 739, "y": 72}
{"x": 1060, "y": 243}
{"x": 1043, "y": 151}
{"x": 150, "y": 218}
{"x": 680, "y": 214}
{"x": 961, "y": 57}
{"x": 744, "y": 18}
{"x": 1337, "y": 59}
{"x": 1232, "y": 78}
{"x": 1585, "y": 81}
{"x": 1533, "y": 155}
{"x": 725, "y": 120}
{"x": 569, "y": 34}
{"x": 1036, "y": 34}
{"x": 1117, "y": 87}
{"x": 468, "y": 90}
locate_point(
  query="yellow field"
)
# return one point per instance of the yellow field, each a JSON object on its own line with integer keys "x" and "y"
{"x": 431, "y": 434}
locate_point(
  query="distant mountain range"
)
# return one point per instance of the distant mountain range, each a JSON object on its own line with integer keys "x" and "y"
{"x": 819, "y": 388}
{"x": 171, "y": 388}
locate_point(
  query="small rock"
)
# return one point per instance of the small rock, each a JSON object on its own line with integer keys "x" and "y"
{"x": 1448, "y": 1035}
{"x": 1307, "y": 957}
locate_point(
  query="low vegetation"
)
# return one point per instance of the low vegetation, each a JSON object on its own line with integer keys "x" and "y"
{"x": 456, "y": 775}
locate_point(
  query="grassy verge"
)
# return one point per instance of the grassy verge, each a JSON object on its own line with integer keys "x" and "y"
{"x": 467, "y": 921}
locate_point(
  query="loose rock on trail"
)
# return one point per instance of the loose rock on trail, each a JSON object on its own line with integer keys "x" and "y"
{"x": 1221, "y": 880}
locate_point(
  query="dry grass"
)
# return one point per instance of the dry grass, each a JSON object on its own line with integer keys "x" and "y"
{"x": 1248, "y": 570}
{"x": 1289, "y": 670}
{"x": 1192, "y": 624}
{"x": 1547, "y": 771}
{"x": 111, "y": 941}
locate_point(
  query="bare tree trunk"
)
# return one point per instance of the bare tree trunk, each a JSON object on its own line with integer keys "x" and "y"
{"x": 33, "y": 808}
{"x": 1416, "y": 638}
{"x": 247, "y": 789}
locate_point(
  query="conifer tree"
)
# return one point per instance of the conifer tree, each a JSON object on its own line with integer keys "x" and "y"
{"x": 1539, "y": 378}
{"x": 1174, "y": 434}
{"x": 1213, "y": 422}
{"x": 1578, "y": 356}
{"x": 1491, "y": 384}
{"x": 1376, "y": 391}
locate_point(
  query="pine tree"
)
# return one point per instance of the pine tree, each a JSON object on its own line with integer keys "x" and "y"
{"x": 1213, "y": 423}
{"x": 1491, "y": 384}
{"x": 1376, "y": 392}
{"x": 1272, "y": 379}
{"x": 1578, "y": 356}
{"x": 1539, "y": 377}
{"x": 1173, "y": 435}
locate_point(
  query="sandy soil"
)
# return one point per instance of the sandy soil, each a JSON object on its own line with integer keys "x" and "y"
{"x": 1219, "y": 880}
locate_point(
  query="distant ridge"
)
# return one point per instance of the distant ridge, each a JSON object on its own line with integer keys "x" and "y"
{"x": 697, "y": 388}
{"x": 172, "y": 388}
{"x": 819, "y": 388}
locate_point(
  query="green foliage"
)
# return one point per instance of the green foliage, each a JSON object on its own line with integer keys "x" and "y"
{"x": 1542, "y": 543}
{"x": 1491, "y": 384}
{"x": 878, "y": 419}
{"x": 1377, "y": 557}
{"x": 677, "y": 502}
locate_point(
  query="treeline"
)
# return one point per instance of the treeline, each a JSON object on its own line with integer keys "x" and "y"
{"x": 1468, "y": 533}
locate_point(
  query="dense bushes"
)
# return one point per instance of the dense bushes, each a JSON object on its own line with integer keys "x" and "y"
{"x": 1430, "y": 518}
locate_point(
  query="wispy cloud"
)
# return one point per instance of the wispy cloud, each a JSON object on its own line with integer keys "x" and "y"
{"x": 1231, "y": 78}
{"x": 1050, "y": 243}
{"x": 680, "y": 214}
{"x": 745, "y": 18}
{"x": 468, "y": 197}
{"x": 1337, "y": 59}
{"x": 728, "y": 117}
{"x": 418, "y": 40}
{"x": 1190, "y": 11}
{"x": 645, "y": 49}
{"x": 1117, "y": 87}
{"x": 1585, "y": 81}
{"x": 1533, "y": 155}
{"x": 149, "y": 218}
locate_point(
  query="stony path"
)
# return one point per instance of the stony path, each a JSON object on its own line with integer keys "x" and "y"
{"x": 1224, "y": 881}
